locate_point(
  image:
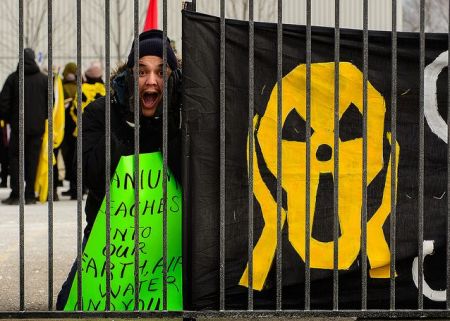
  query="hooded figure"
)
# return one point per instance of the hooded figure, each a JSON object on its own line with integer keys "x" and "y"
{"x": 35, "y": 114}
{"x": 68, "y": 145}
{"x": 70, "y": 80}
{"x": 150, "y": 84}
{"x": 92, "y": 88}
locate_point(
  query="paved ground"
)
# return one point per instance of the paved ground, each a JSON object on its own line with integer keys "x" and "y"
{"x": 36, "y": 251}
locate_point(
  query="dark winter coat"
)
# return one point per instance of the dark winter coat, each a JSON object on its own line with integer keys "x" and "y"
{"x": 122, "y": 144}
{"x": 35, "y": 99}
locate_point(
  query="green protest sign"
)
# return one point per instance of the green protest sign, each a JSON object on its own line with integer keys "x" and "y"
{"x": 123, "y": 243}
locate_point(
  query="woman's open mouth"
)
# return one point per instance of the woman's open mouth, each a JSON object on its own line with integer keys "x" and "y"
{"x": 149, "y": 99}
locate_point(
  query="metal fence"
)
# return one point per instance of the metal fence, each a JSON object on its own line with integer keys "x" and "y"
{"x": 64, "y": 25}
{"x": 278, "y": 312}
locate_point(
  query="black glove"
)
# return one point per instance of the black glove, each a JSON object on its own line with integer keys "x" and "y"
{"x": 121, "y": 85}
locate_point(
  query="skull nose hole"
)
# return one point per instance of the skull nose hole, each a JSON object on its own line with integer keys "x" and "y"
{"x": 324, "y": 153}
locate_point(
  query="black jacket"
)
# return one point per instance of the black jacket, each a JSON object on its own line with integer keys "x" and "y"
{"x": 35, "y": 99}
{"x": 122, "y": 144}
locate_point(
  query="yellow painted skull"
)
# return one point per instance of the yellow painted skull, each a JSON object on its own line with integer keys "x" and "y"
{"x": 322, "y": 162}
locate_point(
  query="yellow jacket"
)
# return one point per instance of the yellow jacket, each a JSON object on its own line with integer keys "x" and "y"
{"x": 90, "y": 93}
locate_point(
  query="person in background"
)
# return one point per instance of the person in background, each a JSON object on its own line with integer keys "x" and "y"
{"x": 4, "y": 163}
{"x": 69, "y": 143}
{"x": 92, "y": 88}
{"x": 35, "y": 114}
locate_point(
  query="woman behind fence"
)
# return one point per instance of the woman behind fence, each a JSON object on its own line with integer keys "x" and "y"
{"x": 151, "y": 84}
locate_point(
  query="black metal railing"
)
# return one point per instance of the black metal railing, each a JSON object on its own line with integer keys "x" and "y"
{"x": 223, "y": 312}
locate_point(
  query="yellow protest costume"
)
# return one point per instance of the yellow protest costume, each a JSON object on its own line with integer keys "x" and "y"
{"x": 90, "y": 93}
{"x": 41, "y": 184}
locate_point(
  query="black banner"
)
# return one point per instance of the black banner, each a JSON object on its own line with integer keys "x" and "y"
{"x": 201, "y": 72}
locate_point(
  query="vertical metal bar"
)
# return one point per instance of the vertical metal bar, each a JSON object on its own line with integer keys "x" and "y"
{"x": 136, "y": 151}
{"x": 393, "y": 218}
{"x": 190, "y": 5}
{"x": 337, "y": 43}
{"x": 21, "y": 162}
{"x": 108, "y": 152}
{"x": 50, "y": 149}
{"x": 185, "y": 146}
{"x": 222, "y": 156}
{"x": 448, "y": 167}
{"x": 165, "y": 150}
{"x": 421, "y": 154}
{"x": 279, "y": 264}
{"x": 251, "y": 107}
{"x": 308, "y": 160}
{"x": 79, "y": 161}
{"x": 364, "y": 169}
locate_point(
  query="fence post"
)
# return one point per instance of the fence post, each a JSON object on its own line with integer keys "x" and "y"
{"x": 185, "y": 152}
{"x": 190, "y": 5}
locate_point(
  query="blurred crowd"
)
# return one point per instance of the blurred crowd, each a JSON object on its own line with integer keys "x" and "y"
{"x": 35, "y": 128}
